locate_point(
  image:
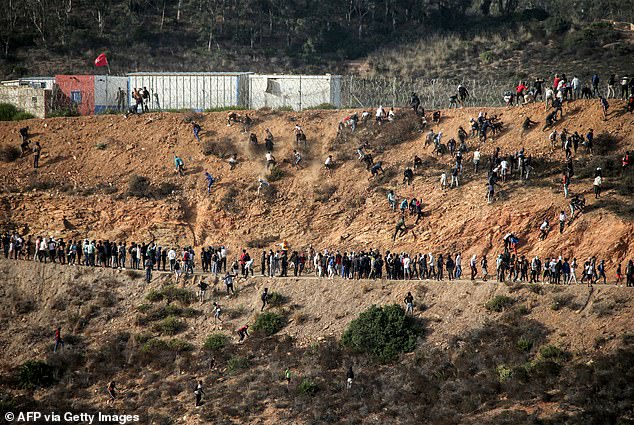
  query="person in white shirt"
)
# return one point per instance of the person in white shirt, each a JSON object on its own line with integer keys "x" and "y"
{"x": 504, "y": 169}
{"x": 380, "y": 115}
{"x": 576, "y": 87}
{"x": 544, "y": 229}
{"x": 458, "y": 262}
{"x": 171, "y": 255}
{"x": 598, "y": 181}
{"x": 270, "y": 160}
{"x": 329, "y": 164}
{"x": 406, "y": 270}
{"x": 476, "y": 160}
{"x": 443, "y": 181}
{"x": 562, "y": 221}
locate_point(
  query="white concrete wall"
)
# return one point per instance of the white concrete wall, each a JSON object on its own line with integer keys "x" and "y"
{"x": 197, "y": 91}
{"x": 34, "y": 101}
{"x": 295, "y": 91}
{"x": 35, "y": 82}
{"x": 106, "y": 91}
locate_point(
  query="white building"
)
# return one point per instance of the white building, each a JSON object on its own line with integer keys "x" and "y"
{"x": 191, "y": 90}
{"x": 34, "y": 82}
{"x": 295, "y": 91}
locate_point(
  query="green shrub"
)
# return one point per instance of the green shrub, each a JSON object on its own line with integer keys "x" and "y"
{"x": 499, "y": 303}
{"x": 36, "y": 373}
{"x": 307, "y": 387}
{"x": 382, "y": 332}
{"x": 215, "y": 342}
{"x": 275, "y": 174}
{"x": 284, "y": 109}
{"x": 171, "y": 294}
{"x": 237, "y": 363}
{"x": 9, "y": 153}
{"x": 524, "y": 344}
{"x": 322, "y": 106}
{"x": 269, "y": 323}
{"x": 101, "y": 146}
{"x": 21, "y": 115}
{"x": 158, "y": 345}
{"x": 504, "y": 373}
{"x": 170, "y": 326}
{"x": 276, "y": 299}
{"x": 553, "y": 353}
{"x": 7, "y": 112}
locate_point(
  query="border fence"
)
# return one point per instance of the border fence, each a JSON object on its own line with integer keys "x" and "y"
{"x": 358, "y": 92}
{"x": 243, "y": 90}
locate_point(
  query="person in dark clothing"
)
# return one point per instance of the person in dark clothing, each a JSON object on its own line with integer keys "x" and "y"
{"x": 243, "y": 332}
{"x": 409, "y": 303}
{"x": 415, "y": 102}
{"x": 58, "y": 339}
{"x": 263, "y": 263}
{"x": 400, "y": 227}
{"x": 198, "y": 392}
{"x": 37, "y": 151}
{"x": 265, "y": 298}
{"x": 349, "y": 378}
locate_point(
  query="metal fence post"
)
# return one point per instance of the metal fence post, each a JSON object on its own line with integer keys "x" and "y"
{"x": 300, "y": 92}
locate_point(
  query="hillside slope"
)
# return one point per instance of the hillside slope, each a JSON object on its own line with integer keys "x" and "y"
{"x": 80, "y": 189}
{"x": 107, "y": 325}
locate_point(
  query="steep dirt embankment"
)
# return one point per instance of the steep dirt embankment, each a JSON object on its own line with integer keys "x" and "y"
{"x": 80, "y": 188}
{"x": 96, "y": 302}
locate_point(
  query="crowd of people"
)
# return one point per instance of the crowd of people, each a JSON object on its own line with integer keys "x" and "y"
{"x": 327, "y": 263}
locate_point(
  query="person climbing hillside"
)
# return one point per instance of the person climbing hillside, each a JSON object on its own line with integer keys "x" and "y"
{"x": 544, "y": 229}
{"x": 210, "y": 181}
{"x": 349, "y": 378}
{"x": 243, "y": 332}
{"x": 604, "y": 107}
{"x": 270, "y": 160}
{"x": 329, "y": 165}
{"x": 112, "y": 393}
{"x": 400, "y": 228}
{"x": 391, "y": 199}
{"x": 216, "y": 311}
{"x": 597, "y": 184}
{"x": 265, "y": 298}
{"x": 58, "y": 339}
{"x": 196, "y": 129}
{"x": 37, "y": 151}
{"x": 374, "y": 171}
{"x": 415, "y": 102}
{"x": 179, "y": 165}
{"x": 409, "y": 303}
{"x": 198, "y": 392}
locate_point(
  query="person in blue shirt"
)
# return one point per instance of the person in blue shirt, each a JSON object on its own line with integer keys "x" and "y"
{"x": 180, "y": 166}
{"x": 210, "y": 181}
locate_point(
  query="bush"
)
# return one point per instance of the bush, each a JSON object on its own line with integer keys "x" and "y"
{"x": 222, "y": 148}
{"x": 101, "y": 146}
{"x": 170, "y": 326}
{"x": 322, "y": 106}
{"x": 9, "y": 153}
{"x": 215, "y": 342}
{"x": 382, "y": 332}
{"x": 139, "y": 186}
{"x": 504, "y": 373}
{"x": 263, "y": 242}
{"x": 499, "y": 303}
{"x": 36, "y": 373}
{"x": 275, "y": 174}
{"x": 7, "y": 111}
{"x": 237, "y": 363}
{"x": 307, "y": 387}
{"x": 269, "y": 323}
{"x": 553, "y": 353}
{"x": 524, "y": 344}
{"x": 276, "y": 299}
{"x": 21, "y": 115}
{"x": 157, "y": 346}
{"x": 170, "y": 294}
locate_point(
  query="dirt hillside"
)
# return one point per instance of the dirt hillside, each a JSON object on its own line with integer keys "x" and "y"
{"x": 80, "y": 189}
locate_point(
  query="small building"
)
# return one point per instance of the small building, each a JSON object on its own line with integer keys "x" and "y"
{"x": 295, "y": 91}
{"x": 36, "y": 101}
{"x": 191, "y": 90}
{"x": 90, "y": 94}
{"x": 34, "y": 82}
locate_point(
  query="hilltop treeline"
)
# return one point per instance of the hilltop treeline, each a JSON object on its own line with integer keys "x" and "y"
{"x": 274, "y": 35}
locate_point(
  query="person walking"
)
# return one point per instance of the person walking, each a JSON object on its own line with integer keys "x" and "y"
{"x": 265, "y": 298}
{"x": 198, "y": 392}
{"x": 349, "y": 378}
{"x": 37, "y": 151}
{"x": 409, "y": 303}
{"x": 148, "y": 269}
{"x": 58, "y": 339}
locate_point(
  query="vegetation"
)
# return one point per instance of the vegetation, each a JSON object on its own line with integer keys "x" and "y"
{"x": 382, "y": 332}
{"x": 269, "y": 323}
{"x": 158, "y": 345}
{"x": 35, "y": 373}
{"x": 275, "y": 174}
{"x": 9, "y": 112}
{"x": 499, "y": 303}
{"x": 276, "y": 299}
{"x": 170, "y": 326}
{"x": 307, "y": 387}
{"x": 9, "y": 153}
{"x": 237, "y": 363}
{"x": 171, "y": 294}
{"x": 215, "y": 342}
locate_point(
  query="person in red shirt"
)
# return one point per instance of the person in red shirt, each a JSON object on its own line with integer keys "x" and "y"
{"x": 58, "y": 339}
{"x": 242, "y": 332}
{"x": 556, "y": 82}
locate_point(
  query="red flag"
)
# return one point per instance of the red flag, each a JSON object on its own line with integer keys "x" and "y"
{"x": 101, "y": 60}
